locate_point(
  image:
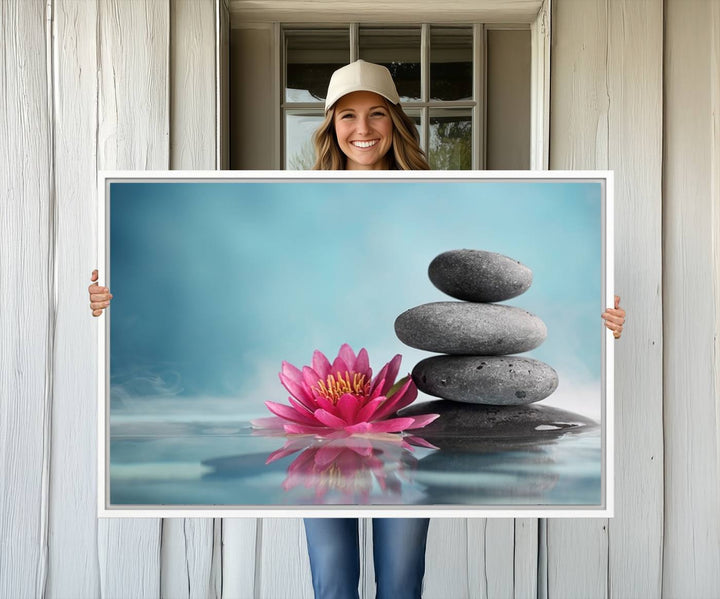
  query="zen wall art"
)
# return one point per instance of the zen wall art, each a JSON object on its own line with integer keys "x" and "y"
{"x": 373, "y": 344}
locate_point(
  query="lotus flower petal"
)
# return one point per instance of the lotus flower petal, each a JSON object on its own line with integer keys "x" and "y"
{"x": 271, "y": 423}
{"x": 347, "y": 355}
{"x": 320, "y": 364}
{"x": 423, "y": 420}
{"x": 347, "y": 407}
{"x": 362, "y": 364}
{"x": 401, "y": 399}
{"x": 339, "y": 366}
{"x": 290, "y": 413}
{"x": 329, "y": 419}
{"x": 296, "y": 389}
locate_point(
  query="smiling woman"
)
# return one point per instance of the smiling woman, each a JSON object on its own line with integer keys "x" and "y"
{"x": 365, "y": 128}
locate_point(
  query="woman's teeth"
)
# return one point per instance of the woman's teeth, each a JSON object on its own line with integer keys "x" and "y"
{"x": 364, "y": 144}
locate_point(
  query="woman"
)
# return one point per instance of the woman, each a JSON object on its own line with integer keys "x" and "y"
{"x": 365, "y": 129}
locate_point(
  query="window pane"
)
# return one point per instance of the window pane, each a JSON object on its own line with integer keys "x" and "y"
{"x": 451, "y": 55}
{"x": 398, "y": 50}
{"x": 450, "y": 139}
{"x": 311, "y": 58}
{"x": 299, "y": 149}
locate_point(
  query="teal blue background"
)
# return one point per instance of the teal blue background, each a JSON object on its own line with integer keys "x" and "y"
{"x": 216, "y": 283}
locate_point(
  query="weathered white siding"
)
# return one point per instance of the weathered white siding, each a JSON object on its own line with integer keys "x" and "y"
{"x": 118, "y": 84}
{"x": 691, "y": 304}
{"x": 606, "y": 113}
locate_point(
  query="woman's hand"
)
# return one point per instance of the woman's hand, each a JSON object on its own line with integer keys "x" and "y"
{"x": 615, "y": 318}
{"x": 99, "y": 296}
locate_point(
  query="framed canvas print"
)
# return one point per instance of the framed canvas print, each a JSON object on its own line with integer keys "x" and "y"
{"x": 343, "y": 344}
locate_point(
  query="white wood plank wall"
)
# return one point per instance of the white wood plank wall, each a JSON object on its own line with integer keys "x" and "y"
{"x": 118, "y": 84}
{"x": 691, "y": 303}
{"x": 606, "y": 112}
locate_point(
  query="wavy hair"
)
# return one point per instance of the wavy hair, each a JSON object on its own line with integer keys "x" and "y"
{"x": 405, "y": 153}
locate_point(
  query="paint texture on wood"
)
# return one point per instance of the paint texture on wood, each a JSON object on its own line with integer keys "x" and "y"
{"x": 73, "y": 558}
{"x": 133, "y": 129}
{"x": 27, "y": 305}
{"x": 192, "y": 84}
{"x": 240, "y": 543}
{"x": 282, "y": 567}
{"x": 692, "y": 398}
{"x": 607, "y": 113}
{"x": 635, "y": 534}
{"x": 577, "y": 549}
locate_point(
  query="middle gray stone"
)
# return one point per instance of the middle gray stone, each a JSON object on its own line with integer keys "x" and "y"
{"x": 470, "y": 329}
{"x": 495, "y": 380}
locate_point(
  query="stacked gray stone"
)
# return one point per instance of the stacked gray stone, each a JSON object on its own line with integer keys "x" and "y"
{"x": 476, "y": 334}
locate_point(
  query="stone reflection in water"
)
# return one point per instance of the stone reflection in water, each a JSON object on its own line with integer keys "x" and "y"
{"x": 339, "y": 468}
{"x": 494, "y": 454}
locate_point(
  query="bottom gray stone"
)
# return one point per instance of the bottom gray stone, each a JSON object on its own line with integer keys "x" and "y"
{"x": 494, "y": 380}
{"x": 468, "y": 427}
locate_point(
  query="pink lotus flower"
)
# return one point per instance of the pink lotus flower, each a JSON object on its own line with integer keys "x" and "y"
{"x": 344, "y": 396}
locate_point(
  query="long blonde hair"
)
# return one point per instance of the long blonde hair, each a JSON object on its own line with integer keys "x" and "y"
{"x": 405, "y": 154}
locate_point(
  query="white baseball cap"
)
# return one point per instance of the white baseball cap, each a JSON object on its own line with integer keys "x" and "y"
{"x": 361, "y": 76}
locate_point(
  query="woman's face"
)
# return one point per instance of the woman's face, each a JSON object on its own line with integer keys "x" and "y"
{"x": 364, "y": 130}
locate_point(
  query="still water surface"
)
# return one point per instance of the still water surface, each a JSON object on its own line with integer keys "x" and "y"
{"x": 210, "y": 464}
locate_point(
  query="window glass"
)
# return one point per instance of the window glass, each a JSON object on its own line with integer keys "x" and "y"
{"x": 299, "y": 149}
{"x": 398, "y": 50}
{"x": 450, "y": 144}
{"x": 451, "y": 63}
{"x": 310, "y": 59}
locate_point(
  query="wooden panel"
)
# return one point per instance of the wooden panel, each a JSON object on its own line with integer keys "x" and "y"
{"x": 282, "y": 569}
{"x": 192, "y": 84}
{"x": 133, "y": 125}
{"x": 27, "y": 307}
{"x": 447, "y": 558}
{"x": 73, "y": 563}
{"x": 187, "y": 545}
{"x": 525, "y": 572}
{"x": 187, "y": 558}
{"x": 692, "y": 397}
{"x": 577, "y": 552}
{"x": 418, "y": 11}
{"x": 490, "y": 548}
{"x": 635, "y": 535}
{"x": 239, "y": 553}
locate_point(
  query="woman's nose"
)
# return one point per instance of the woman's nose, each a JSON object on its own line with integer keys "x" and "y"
{"x": 363, "y": 125}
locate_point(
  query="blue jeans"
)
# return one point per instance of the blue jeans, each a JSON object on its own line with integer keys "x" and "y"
{"x": 398, "y": 553}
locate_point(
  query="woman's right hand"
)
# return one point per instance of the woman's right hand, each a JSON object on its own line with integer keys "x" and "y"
{"x": 99, "y": 296}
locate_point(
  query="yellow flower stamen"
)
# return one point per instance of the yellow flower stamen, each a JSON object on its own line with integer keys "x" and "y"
{"x": 336, "y": 385}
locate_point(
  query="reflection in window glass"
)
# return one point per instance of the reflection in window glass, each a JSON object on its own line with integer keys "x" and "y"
{"x": 299, "y": 149}
{"x": 311, "y": 58}
{"x": 398, "y": 50}
{"x": 450, "y": 144}
{"x": 451, "y": 55}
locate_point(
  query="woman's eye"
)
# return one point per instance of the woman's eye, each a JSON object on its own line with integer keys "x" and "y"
{"x": 347, "y": 115}
{"x": 379, "y": 113}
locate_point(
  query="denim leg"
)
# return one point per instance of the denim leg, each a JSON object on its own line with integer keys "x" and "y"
{"x": 334, "y": 557}
{"x": 399, "y": 556}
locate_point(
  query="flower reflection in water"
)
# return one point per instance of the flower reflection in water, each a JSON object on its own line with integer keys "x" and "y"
{"x": 350, "y": 468}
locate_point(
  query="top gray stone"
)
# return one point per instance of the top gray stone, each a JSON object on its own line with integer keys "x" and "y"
{"x": 479, "y": 276}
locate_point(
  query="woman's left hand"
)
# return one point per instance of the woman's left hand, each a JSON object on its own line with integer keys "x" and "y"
{"x": 615, "y": 318}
